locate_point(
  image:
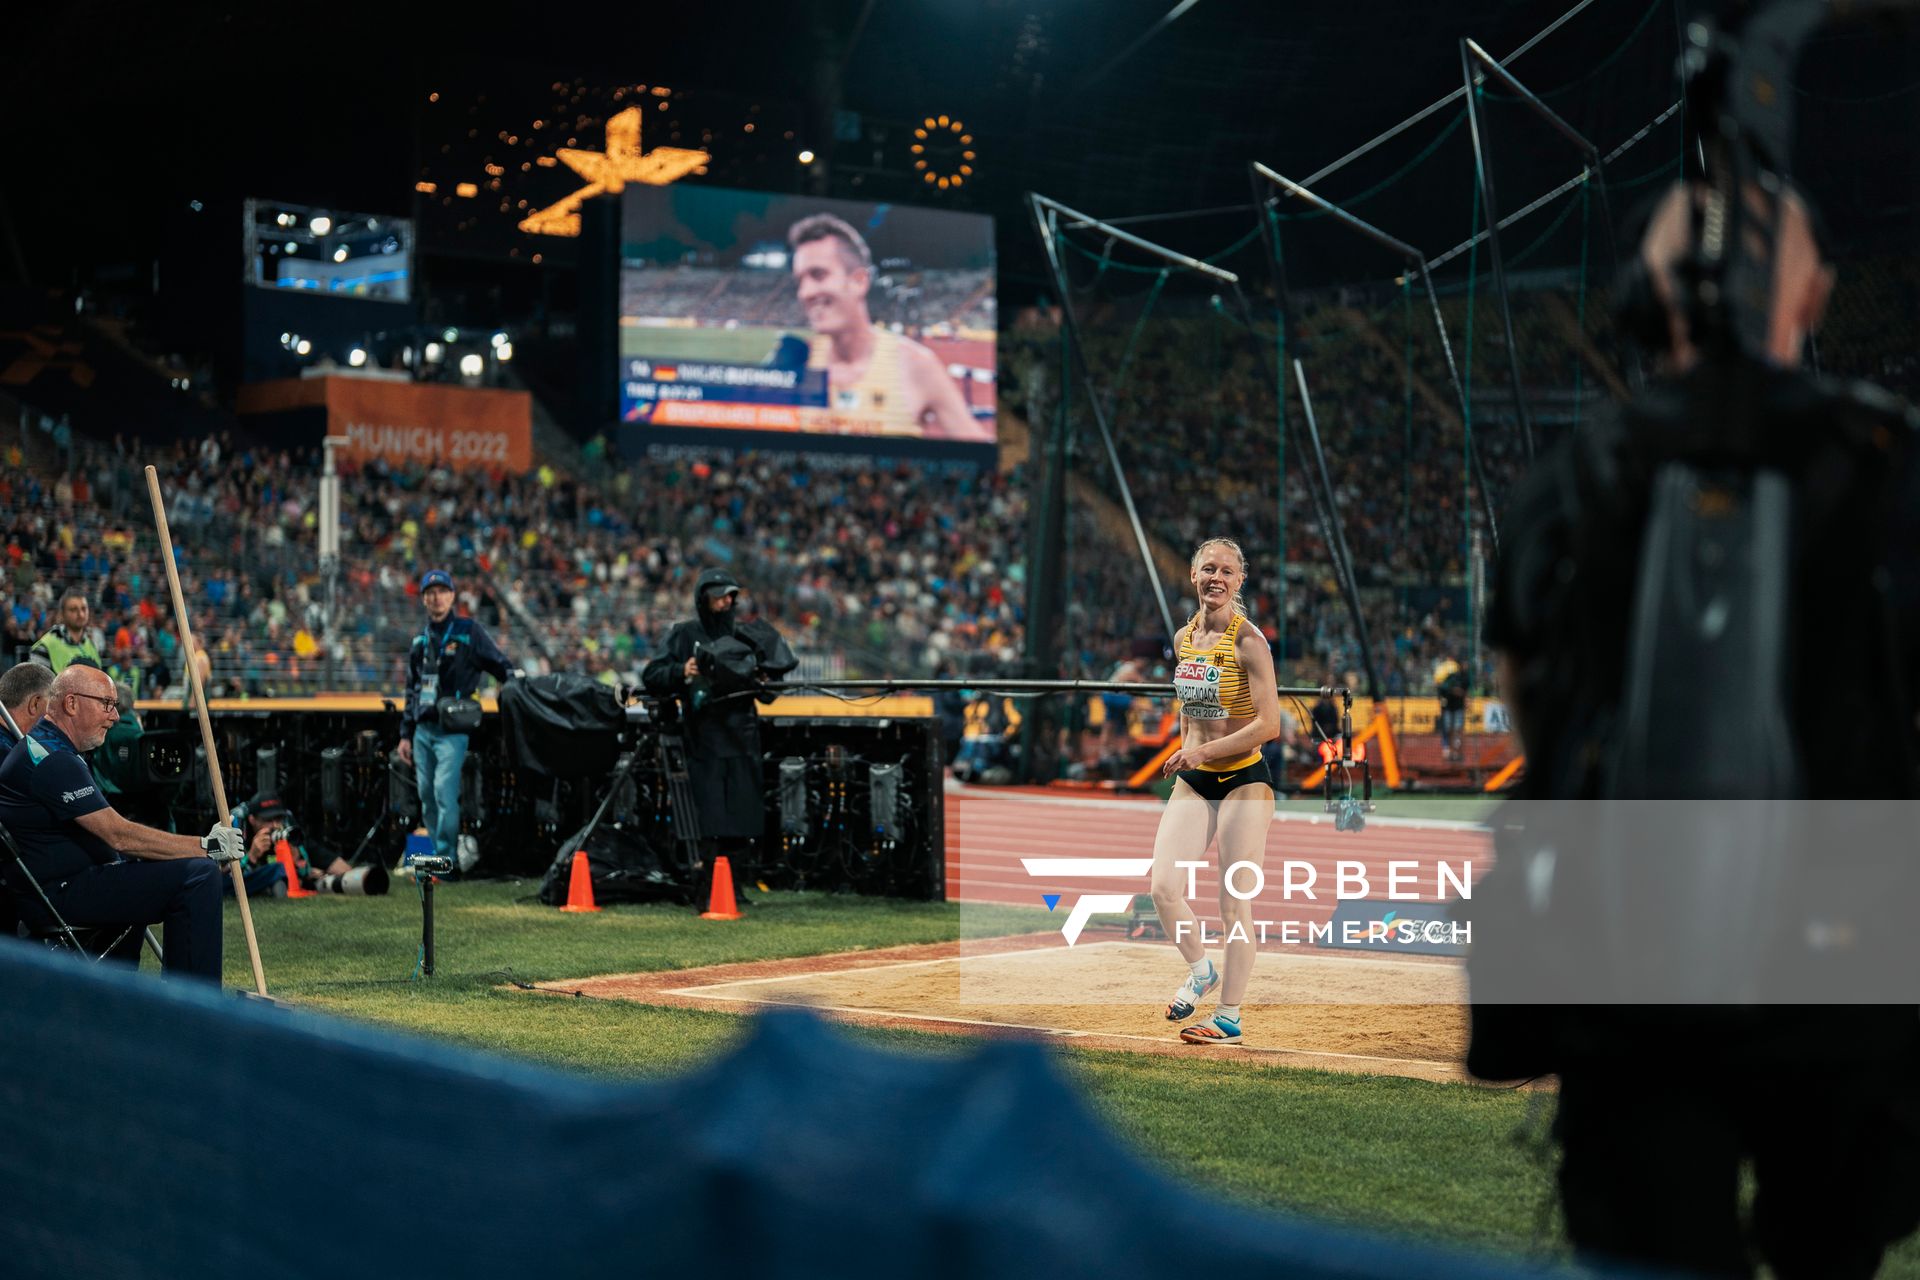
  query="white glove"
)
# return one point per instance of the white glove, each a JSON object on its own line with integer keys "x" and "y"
{"x": 224, "y": 844}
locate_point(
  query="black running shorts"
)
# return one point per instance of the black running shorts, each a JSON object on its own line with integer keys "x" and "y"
{"x": 1215, "y": 786}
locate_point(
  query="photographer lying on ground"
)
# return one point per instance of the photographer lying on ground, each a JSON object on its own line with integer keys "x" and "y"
{"x": 266, "y": 823}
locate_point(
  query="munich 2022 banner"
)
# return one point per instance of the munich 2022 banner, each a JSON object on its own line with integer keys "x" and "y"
{"x": 783, "y": 313}
{"x": 408, "y": 423}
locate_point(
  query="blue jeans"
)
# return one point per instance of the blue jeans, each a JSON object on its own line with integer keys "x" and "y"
{"x": 437, "y": 758}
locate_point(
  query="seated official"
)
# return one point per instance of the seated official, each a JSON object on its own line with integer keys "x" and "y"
{"x": 24, "y": 691}
{"x": 23, "y": 700}
{"x": 96, "y": 867}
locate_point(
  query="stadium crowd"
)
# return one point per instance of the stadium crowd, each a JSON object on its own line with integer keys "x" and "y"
{"x": 897, "y": 570}
{"x": 900, "y": 568}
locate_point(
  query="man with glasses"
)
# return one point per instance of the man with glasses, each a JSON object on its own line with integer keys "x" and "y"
{"x": 96, "y": 867}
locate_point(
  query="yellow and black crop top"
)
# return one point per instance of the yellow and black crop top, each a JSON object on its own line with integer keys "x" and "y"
{"x": 1211, "y": 685}
{"x": 1210, "y": 682}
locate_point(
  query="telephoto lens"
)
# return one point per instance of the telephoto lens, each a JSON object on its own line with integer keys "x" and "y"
{"x": 362, "y": 882}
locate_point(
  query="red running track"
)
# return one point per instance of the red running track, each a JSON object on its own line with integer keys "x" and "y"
{"x": 990, "y": 830}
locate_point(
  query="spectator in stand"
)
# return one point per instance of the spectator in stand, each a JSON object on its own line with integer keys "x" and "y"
{"x": 21, "y": 633}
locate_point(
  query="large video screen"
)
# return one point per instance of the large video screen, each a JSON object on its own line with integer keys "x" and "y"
{"x": 298, "y": 248}
{"x": 797, "y": 314}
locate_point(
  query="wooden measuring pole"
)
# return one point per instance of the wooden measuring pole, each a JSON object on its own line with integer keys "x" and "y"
{"x": 187, "y": 653}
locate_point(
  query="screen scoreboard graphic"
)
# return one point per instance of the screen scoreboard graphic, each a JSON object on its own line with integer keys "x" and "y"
{"x": 778, "y": 313}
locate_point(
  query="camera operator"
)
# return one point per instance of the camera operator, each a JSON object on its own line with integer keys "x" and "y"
{"x": 701, "y": 662}
{"x": 1659, "y": 1107}
{"x": 444, "y": 666}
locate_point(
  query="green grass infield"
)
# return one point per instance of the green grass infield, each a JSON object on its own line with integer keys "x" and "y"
{"x": 1438, "y": 1161}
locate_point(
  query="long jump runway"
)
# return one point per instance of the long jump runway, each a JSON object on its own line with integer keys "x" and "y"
{"x": 1307, "y": 1007}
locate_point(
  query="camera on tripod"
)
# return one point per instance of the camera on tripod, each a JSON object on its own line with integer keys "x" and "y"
{"x": 434, "y": 864}
{"x": 728, "y": 667}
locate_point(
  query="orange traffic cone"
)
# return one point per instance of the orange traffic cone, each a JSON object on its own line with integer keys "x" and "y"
{"x": 720, "y": 904}
{"x": 580, "y": 888}
{"x": 283, "y": 852}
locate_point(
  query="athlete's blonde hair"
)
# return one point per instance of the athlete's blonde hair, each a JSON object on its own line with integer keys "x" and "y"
{"x": 1239, "y": 600}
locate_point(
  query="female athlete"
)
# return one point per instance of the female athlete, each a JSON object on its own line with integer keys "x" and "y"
{"x": 1223, "y": 791}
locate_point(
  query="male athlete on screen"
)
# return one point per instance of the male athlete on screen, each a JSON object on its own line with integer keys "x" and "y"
{"x": 871, "y": 373}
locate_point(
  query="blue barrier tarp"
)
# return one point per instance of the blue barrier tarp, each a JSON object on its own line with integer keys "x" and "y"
{"x": 132, "y": 1143}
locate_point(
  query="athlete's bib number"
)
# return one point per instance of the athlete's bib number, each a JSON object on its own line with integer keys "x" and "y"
{"x": 1196, "y": 683}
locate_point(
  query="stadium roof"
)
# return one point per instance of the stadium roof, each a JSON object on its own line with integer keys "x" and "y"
{"x": 1104, "y": 103}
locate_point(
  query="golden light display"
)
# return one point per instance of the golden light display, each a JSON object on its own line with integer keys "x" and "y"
{"x": 610, "y": 171}
{"x": 942, "y": 152}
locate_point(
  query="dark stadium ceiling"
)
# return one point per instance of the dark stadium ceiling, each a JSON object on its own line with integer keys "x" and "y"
{"x": 1103, "y": 104}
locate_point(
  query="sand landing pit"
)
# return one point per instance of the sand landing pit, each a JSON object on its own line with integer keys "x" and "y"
{"x": 1332, "y": 1011}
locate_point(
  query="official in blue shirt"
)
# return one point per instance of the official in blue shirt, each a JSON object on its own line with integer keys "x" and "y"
{"x": 96, "y": 867}
{"x": 445, "y": 664}
{"x": 24, "y": 691}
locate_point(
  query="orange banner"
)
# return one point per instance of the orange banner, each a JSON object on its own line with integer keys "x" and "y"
{"x": 411, "y": 422}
